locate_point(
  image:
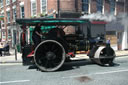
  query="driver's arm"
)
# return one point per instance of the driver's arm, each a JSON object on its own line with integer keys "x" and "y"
{"x": 38, "y": 34}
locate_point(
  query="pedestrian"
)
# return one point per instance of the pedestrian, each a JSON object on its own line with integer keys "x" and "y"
{"x": 108, "y": 42}
{"x": 23, "y": 37}
{"x": 109, "y": 52}
{"x": 108, "y": 46}
{"x": 36, "y": 35}
{"x": 1, "y": 47}
{"x": 4, "y": 48}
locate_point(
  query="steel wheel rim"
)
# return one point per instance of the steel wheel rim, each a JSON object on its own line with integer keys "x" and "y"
{"x": 51, "y": 59}
{"x": 104, "y": 58}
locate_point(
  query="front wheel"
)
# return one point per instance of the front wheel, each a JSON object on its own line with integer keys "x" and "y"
{"x": 102, "y": 56}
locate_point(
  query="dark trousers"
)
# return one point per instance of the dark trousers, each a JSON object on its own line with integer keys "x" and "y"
{"x": 36, "y": 40}
{"x": 109, "y": 54}
{"x": 1, "y": 49}
{"x": 108, "y": 49}
{"x": 0, "y": 53}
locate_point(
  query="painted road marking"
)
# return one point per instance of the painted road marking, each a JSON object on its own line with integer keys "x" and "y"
{"x": 3, "y": 64}
{"x": 109, "y": 72}
{"x": 79, "y": 57}
{"x": 122, "y": 57}
{"x": 17, "y": 81}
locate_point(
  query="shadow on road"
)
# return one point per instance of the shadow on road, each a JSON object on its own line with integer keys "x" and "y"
{"x": 73, "y": 64}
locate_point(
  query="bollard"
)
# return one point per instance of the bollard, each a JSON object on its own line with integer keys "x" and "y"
{"x": 15, "y": 52}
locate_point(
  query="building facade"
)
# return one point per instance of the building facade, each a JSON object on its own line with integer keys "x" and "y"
{"x": 12, "y": 9}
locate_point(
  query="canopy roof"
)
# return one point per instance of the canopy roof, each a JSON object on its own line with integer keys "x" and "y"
{"x": 51, "y": 21}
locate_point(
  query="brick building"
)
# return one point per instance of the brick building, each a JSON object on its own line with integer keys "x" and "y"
{"x": 12, "y": 9}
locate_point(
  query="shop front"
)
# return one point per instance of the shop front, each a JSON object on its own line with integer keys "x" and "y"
{"x": 115, "y": 30}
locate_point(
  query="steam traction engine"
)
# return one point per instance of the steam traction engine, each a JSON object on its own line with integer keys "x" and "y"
{"x": 57, "y": 46}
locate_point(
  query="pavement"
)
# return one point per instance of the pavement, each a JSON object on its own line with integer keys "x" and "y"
{"x": 13, "y": 59}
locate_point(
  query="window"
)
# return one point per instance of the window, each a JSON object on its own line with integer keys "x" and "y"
{"x": 112, "y": 6}
{"x": 2, "y": 21}
{"x": 9, "y": 32}
{"x": 43, "y": 6}
{"x": 33, "y": 8}
{"x": 99, "y": 5}
{"x": 1, "y": 3}
{"x": 13, "y": 0}
{"x": 14, "y": 14}
{"x": 7, "y": 2}
{"x": 22, "y": 12}
{"x": 111, "y": 33}
{"x": 8, "y": 16}
{"x": 85, "y": 5}
{"x": 3, "y": 33}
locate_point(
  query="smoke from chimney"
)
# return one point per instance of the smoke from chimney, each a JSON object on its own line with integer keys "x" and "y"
{"x": 99, "y": 16}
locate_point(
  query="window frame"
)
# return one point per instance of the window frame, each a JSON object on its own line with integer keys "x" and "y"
{"x": 21, "y": 14}
{"x": 44, "y": 6}
{"x": 85, "y": 4}
{"x": 8, "y": 17}
{"x": 1, "y": 4}
{"x": 14, "y": 14}
{"x": 32, "y": 8}
{"x": 7, "y": 2}
{"x": 2, "y": 13}
{"x": 112, "y": 6}
{"x": 99, "y": 5}
{"x": 13, "y": 1}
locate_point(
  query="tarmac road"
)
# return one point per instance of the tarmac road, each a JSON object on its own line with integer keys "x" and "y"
{"x": 77, "y": 72}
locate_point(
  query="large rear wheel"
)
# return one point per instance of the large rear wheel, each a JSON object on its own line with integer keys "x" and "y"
{"x": 49, "y": 55}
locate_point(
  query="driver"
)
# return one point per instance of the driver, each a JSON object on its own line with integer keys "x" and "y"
{"x": 36, "y": 35}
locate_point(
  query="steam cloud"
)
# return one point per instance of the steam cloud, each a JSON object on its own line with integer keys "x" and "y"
{"x": 122, "y": 17}
{"x": 99, "y": 16}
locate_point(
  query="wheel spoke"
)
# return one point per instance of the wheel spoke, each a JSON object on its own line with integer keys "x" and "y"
{"x": 56, "y": 50}
{"x": 42, "y": 58}
{"x": 46, "y": 64}
{"x": 53, "y": 64}
{"x": 45, "y": 47}
{"x": 50, "y": 45}
{"x": 53, "y": 47}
